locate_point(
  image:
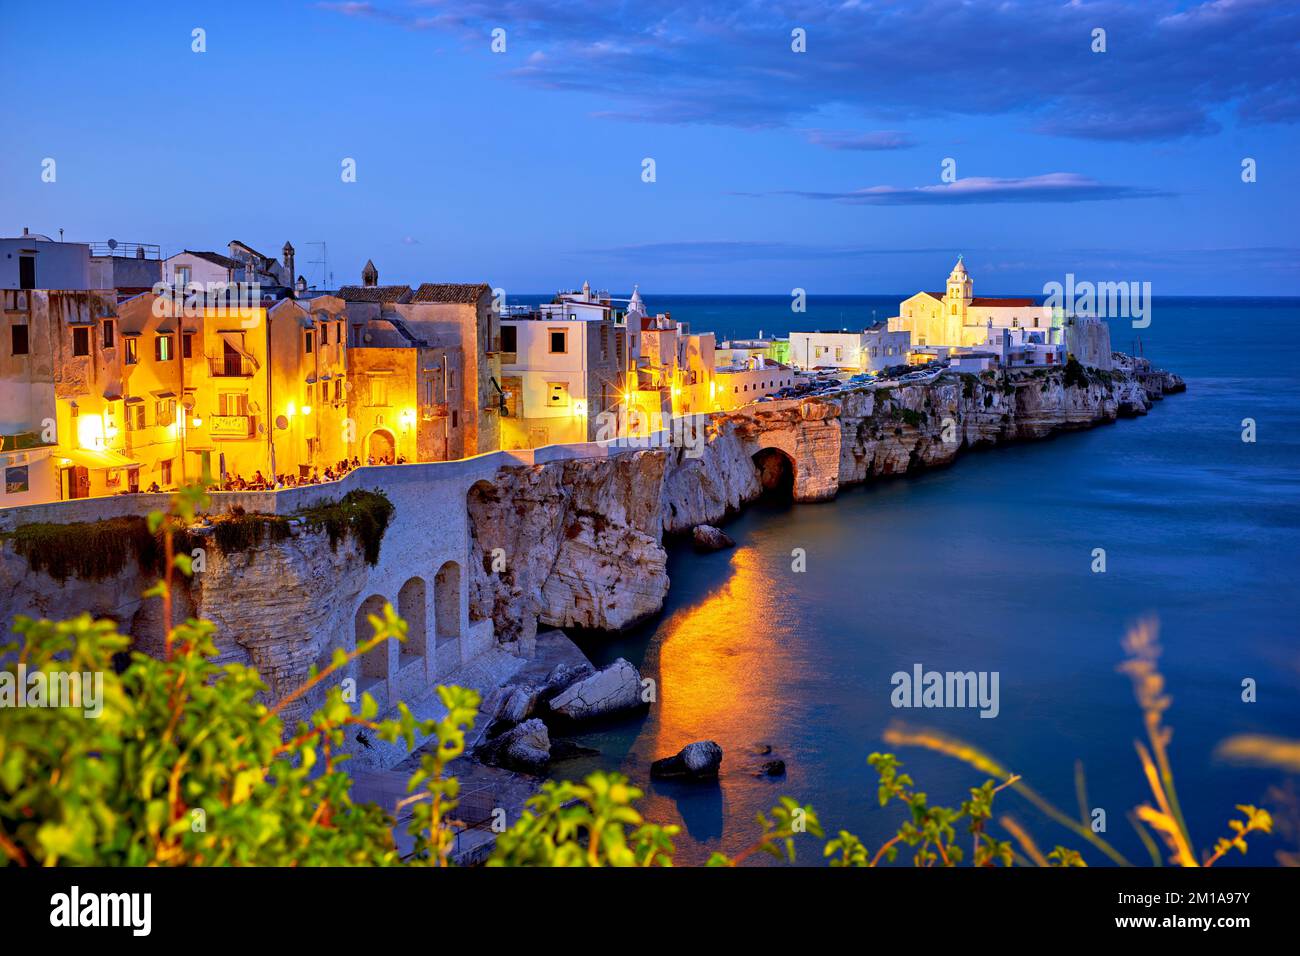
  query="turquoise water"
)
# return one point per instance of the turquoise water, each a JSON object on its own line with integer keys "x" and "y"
{"x": 986, "y": 566}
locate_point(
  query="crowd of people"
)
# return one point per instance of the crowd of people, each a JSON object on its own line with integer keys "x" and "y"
{"x": 260, "y": 482}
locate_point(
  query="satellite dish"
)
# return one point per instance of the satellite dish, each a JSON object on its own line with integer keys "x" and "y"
{"x": 188, "y": 403}
{"x": 281, "y": 422}
{"x": 112, "y": 243}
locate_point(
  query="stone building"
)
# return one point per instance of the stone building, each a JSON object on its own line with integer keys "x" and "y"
{"x": 957, "y": 317}
{"x": 60, "y": 397}
{"x": 456, "y": 321}
{"x": 246, "y": 389}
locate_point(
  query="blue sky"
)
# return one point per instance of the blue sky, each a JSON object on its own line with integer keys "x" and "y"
{"x": 774, "y": 169}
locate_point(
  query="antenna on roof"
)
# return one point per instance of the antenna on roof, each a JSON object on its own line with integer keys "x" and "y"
{"x": 327, "y": 277}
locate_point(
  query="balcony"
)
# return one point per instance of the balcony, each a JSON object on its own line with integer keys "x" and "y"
{"x": 230, "y": 366}
{"x": 230, "y": 426}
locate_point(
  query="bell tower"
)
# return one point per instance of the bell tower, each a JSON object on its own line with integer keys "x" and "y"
{"x": 956, "y": 301}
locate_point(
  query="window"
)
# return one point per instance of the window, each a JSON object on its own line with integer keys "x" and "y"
{"x": 18, "y": 339}
{"x": 557, "y": 394}
{"x": 509, "y": 338}
{"x": 27, "y": 272}
{"x": 233, "y": 403}
{"x": 1035, "y": 323}
{"x": 165, "y": 411}
{"x": 131, "y": 357}
{"x": 1015, "y": 323}
{"x": 183, "y": 275}
{"x": 559, "y": 341}
{"x": 378, "y": 391}
{"x": 338, "y": 390}
{"x": 135, "y": 416}
{"x": 165, "y": 472}
{"x": 108, "y": 333}
{"x": 162, "y": 348}
{"x": 187, "y": 345}
{"x": 455, "y": 418}
{"x": 307, "y": 340}
{"x": 81, "y": 341}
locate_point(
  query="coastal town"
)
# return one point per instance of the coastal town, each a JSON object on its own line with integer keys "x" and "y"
{"x": 123, "y": 371}
{"x": 506, "y": 472}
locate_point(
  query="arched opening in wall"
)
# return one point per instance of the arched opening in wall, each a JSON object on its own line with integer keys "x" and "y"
{"x": 381, "y": 446}
{"x": 372, "y": 667}
{"x": 481, "y": 502}
{"x": 446, "y": 601}
{"x": 775, "y": 474}
{"x": 413, "y": 608}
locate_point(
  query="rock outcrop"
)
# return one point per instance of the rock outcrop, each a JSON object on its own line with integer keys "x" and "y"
{"x": 615, "y": 689}
{"x": 525, "y": 747}
{"x": 577, "y": 544}
{"x": 709, "y": 538}
{"x": 697, "y": 761}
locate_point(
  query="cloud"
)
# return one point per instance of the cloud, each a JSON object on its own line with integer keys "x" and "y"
{"x": 1048, "y": 188}
{"x": 847, "y": 139}
{"x": 1171, "y": 68}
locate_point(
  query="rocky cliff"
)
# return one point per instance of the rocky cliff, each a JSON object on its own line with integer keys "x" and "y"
{"x": 275, "y": 606}
{"x": 581, "y": 541}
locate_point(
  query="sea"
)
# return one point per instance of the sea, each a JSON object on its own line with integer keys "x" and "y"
{"x": 990, "y": 565}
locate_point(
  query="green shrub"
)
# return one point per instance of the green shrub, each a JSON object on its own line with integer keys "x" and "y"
{"x": 363, "y": 515}
{"x": 90, "y": 550}
{"x": 1075, "y": 374}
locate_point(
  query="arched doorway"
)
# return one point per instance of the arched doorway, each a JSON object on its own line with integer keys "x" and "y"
{"x": 446, "y": 601}
{"x": 412, "y": 607}
{"x": 775, "y": 473}
{"x": 381, "y": 446}
{"x": 372, "y": 666}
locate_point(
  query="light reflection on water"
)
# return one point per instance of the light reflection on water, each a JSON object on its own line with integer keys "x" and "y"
{"x": 985, "y": 566}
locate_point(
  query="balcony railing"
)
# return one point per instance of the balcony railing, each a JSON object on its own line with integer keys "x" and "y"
{"x": 230, "y": 366}
{"x": 126, "y": 250}
{"x": 230, "y": 426}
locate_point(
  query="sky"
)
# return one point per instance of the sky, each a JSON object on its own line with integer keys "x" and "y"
{"x": 774, "y": 169}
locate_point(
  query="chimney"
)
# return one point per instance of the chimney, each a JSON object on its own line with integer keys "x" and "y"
{"x": 25, "y": 230}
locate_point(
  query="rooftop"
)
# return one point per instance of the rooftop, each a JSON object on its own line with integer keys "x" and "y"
{"x": 375, "y": 293}
{"x": 451, "y": 292}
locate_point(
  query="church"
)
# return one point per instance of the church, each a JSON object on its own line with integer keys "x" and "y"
{"x": 958, "y": 318}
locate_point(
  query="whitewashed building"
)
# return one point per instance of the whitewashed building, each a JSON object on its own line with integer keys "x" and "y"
{"x": 868, "y": 350}
{"x": 562, "y": 366}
